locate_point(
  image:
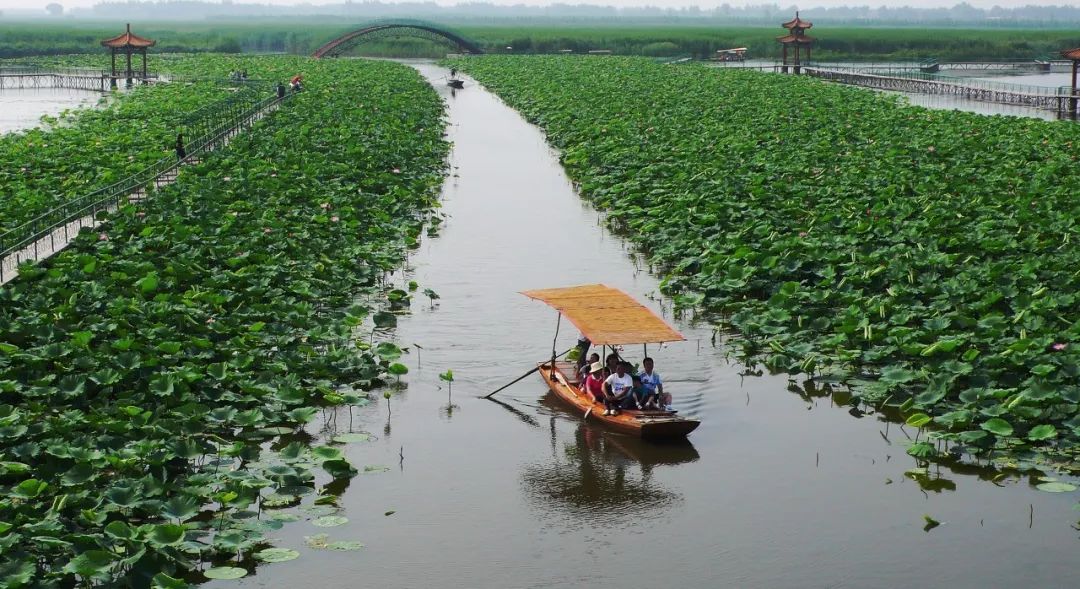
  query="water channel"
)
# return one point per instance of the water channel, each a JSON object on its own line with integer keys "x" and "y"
{"x": 23, "y": 108}
{"x": 780, "y": 487}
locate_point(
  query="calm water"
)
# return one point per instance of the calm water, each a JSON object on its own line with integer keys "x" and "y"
{"x": 23, "y": 109}
{"x": 777, "y": 488}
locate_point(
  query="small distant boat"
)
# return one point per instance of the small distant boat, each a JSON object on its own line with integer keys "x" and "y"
{"x": 455, "y": 83}
{"x": 609, "y": 317}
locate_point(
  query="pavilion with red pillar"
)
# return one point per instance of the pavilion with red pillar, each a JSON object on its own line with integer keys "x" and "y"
{"x": 794, "y": 42}
{"x": 1074, "y": 96}
{"x": 128, "y": 43}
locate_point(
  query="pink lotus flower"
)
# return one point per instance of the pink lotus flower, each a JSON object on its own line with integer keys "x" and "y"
{"x": 324, "y": 205}
{"x": 103, "y": 237}
{"x": 802, "y": 234}
{"x": 334, "y": 219}
{"x": 140, "y": 214}
{"x": 1058, "y": 346}
{"x": 227, "y": 178}
{"x": 396, "y": 170}
{"x": 210, "y": 321}
{"x": 266, "y": 230}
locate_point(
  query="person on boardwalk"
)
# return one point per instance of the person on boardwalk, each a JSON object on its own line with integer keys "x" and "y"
{"x": 181, "y": 153}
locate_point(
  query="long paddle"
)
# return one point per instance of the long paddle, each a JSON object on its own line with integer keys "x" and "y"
{"x": 492, "y": 393}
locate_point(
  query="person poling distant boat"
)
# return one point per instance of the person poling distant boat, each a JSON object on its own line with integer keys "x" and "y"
{"x": 454, "y": 82}
{"x": 631, "y": 403}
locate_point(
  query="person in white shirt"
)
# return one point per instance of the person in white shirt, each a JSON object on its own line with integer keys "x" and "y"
{"x": 617, "y": 389}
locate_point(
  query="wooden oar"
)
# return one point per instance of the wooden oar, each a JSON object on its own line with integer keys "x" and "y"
{"x": 492, "y": 393}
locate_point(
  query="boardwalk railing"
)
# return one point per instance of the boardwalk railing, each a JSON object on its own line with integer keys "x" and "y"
{"x": 69, "y": 78}
{"x": 204, "y": 131}
{"x": 1043, "y": 97}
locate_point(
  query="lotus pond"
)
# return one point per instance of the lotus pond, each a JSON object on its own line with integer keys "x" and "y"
{"x": 921, "y": 256}
{"x": 786, "y": 484}
{"x": 186, "y": 393}
{"x": 145, "y": 369}
{"x": 83, "y": 150}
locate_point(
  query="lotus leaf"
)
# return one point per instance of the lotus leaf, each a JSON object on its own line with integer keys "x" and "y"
{"x": 277, "y": 554}
{"x": 998, "y": 427}
{"x": 225, "y": 573}
{"x": 330, "y": 521}
{"x": 345, "y": 545}
{"x": 1056, "y": 487}
{"x": 351, "y": 438}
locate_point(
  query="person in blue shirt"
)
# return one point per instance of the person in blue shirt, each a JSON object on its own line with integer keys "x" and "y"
{"x": 655, "y": 397}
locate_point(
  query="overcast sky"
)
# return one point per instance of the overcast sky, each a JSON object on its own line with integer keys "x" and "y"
{"x": 40, "y": 4}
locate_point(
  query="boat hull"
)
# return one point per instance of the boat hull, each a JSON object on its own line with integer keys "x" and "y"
{"x": 650, "y": 425}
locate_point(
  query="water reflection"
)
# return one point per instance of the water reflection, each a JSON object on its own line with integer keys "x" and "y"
{"x": 24, "y": 108}
{"x": 593, "y": 474}
{"x": 932, "y": 473}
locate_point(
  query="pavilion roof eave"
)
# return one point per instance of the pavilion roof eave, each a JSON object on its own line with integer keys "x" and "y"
{"x": 797, "y": 23}
{"x": 796, "y": 39}
{"x": 128, "y": 39}
{"x": 1073, "y": 54}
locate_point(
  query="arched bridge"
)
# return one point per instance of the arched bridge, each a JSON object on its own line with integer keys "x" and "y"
{"x": 396, "y": 29}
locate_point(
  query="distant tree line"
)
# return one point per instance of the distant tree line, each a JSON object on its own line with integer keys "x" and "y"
{"x": 958, "y": 14}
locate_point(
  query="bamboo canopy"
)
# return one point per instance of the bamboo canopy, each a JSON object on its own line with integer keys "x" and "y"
{"x": 607, "y": 316}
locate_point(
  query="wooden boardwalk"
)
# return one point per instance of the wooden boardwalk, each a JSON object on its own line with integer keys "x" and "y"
{"x": 70, "y": 79}
{"x": 1048, "y": 98}
{"x": 59, "y": 235}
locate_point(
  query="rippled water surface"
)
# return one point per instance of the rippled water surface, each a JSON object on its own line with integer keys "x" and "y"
{"x": 779, "y": 487}
{"x": 23, "y": 109}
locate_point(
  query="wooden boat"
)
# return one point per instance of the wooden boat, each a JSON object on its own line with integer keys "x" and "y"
{"x": 609, "y": 317}
{"x": 454, "y": 83}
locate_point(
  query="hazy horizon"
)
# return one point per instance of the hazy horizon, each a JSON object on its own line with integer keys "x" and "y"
{"x": 24, "y": 5}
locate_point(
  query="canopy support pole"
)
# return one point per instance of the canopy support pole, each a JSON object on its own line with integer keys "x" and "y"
{"x": 554, "y": 342}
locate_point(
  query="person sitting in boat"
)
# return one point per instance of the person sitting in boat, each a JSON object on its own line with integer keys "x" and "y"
{"x": 612, "y": 361}
{"x": 638, "y": 393}
{"x": 654, "y": 386}
{"x": 617, "y": 389}
{"x": 586, "y": 367}
{"x": 594, "y": 382}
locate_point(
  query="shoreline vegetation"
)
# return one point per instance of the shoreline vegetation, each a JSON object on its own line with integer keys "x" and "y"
{"x": 629, "y": 37}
